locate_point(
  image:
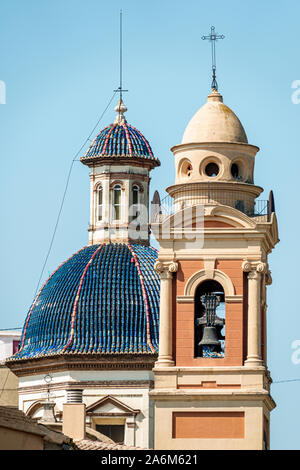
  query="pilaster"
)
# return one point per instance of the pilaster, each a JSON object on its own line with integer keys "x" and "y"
{"x": 255, "y": 272}
{"x": 165, "y": 271}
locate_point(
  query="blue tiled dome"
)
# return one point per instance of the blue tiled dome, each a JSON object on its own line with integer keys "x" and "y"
{"x": 120, "y": 140}
{"x": 104, "y": 299}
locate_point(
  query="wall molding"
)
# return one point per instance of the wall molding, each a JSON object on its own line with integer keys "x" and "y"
{"x": 203, "y": 275}
{"x": 189, "y": 299}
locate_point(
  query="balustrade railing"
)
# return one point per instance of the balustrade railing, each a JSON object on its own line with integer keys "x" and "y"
{"x": 188, "y": 198}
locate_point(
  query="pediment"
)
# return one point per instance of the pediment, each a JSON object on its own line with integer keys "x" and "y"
{"x": 220, "y": 216}
{"x": 36, "y": 410}
{"x": 230, "y": 216}
{"x": 111, "y": 405}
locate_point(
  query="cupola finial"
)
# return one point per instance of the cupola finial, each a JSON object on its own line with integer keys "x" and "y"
{"x": 213, "y": 37}
{"x": 120, "y": 109}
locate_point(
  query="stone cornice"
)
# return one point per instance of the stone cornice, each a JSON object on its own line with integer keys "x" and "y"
{"x": 187, "y": 299}
{"x": 213, "y": 370}
{"x": 183, "y": 255}
{"x": 260, "y": 233}
{"x": 82, "y": 362}
{"x": 118, "y": 175}
{"x": 222, "y": 145}
{"x": 211, "y": 394}
{"x": 252, "y": 189}
{"x": 90, "y": 384}
{"x": 117, "y": 161}
{"x": 109, "y": 415}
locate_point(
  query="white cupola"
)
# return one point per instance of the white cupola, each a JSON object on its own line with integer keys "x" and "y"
{"x": 214, "y": 162}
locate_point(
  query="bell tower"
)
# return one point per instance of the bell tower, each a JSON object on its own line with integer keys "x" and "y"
{"x": 212, "y": 384}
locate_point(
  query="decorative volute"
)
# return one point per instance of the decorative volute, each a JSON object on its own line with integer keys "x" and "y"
{"x": 120, "y": 109}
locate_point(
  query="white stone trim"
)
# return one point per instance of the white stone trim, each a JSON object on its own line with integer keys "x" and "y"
{"x": 202, "y": 275}
{"x": 184, "y": 299}
{"x": 187, "y": 299}
{"x": 234, "y": 299}
{"x": 209, "y": 266}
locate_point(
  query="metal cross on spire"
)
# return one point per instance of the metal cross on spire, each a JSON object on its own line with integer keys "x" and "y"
{"x": 120, "y": 88}
{"x": 213, "y": 37}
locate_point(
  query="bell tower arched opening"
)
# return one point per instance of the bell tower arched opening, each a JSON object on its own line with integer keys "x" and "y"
{"x": 209, "y": 320}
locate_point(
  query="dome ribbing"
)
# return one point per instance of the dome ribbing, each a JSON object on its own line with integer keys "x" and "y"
{"x": 104, "y": 299}
{"x": 120, "y": 140}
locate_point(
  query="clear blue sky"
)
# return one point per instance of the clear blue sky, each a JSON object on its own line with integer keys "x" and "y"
{"x": 59, "y": 60}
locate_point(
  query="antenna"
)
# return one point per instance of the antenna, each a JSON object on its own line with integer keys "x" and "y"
{"x": 120, "y": 88}
{"x": 48, "y": 380}
{"x": 213, "y": 37}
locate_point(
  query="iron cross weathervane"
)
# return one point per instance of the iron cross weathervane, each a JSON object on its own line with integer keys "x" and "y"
{"x": 213, "y": 37}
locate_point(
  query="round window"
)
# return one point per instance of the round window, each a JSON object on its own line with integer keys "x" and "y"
{"x": 189, "y": 170}
{"x": 212, "y": 170}
{"x": 186, "y": 169}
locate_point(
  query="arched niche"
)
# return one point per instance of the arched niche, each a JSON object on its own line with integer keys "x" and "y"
{"x": 35, "y": 410}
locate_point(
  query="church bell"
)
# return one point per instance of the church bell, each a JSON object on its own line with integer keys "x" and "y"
{"x": 210, "y": 337}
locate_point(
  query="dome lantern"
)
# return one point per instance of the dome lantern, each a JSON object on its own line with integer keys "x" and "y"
{"x": 120, "y": 159}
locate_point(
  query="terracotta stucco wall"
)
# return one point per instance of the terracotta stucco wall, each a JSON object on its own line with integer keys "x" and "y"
{"x": 184, "y": 321}
{"x": 208, "y": 425}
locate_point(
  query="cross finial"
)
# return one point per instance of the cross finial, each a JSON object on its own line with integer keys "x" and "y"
{"x": 120, "y": 88}
{"x": 213, "y": 37}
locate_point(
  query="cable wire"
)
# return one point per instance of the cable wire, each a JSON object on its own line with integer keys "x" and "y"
{"x": 285, "y": 381}
{"x": 3, "y": 388}
{"x": 65, "y": 191}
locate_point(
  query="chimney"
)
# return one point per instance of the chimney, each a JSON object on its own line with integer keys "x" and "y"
{"x": 74, "y": 415}
{"x": 74, "y": 396}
